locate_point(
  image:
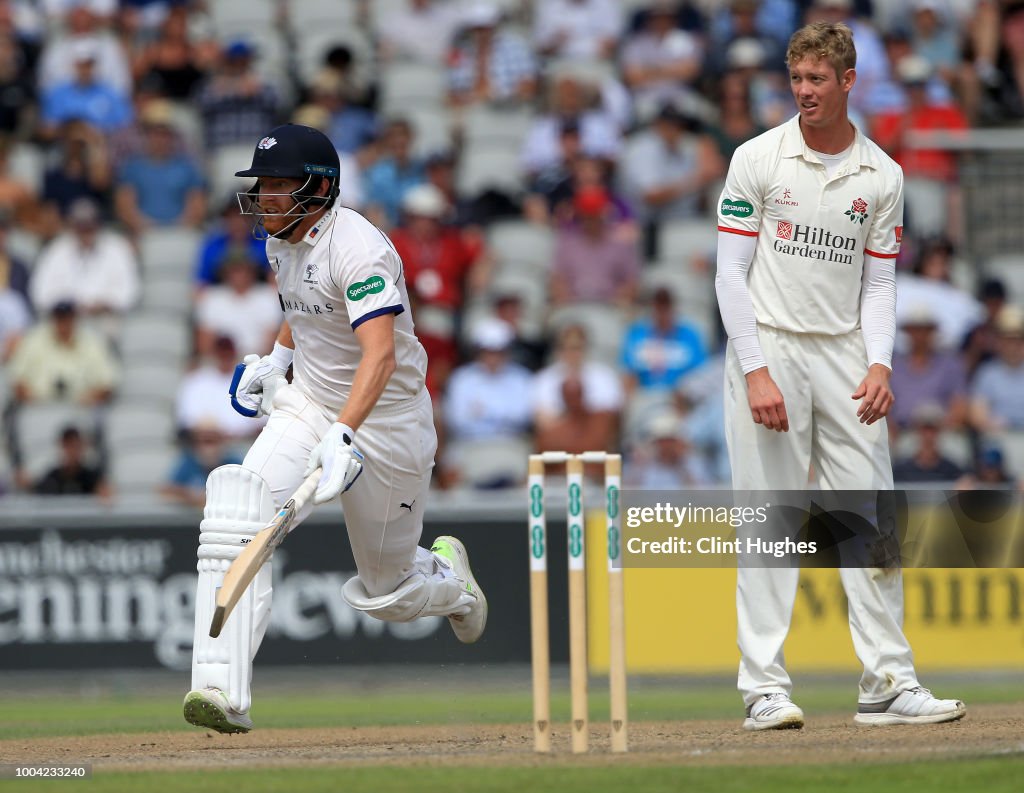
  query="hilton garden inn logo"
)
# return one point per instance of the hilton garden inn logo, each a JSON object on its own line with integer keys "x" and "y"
{"x": 813, "y": 242}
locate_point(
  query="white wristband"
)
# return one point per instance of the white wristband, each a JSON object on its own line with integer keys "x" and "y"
{"x": 281, "y": 357}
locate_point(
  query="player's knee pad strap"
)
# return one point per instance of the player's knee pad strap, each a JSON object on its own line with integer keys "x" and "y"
{"x": 238, "y": 505}
{"x": 417, "y": 596}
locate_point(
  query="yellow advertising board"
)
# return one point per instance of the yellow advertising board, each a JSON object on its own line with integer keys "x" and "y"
{"x": 684, "y": 620}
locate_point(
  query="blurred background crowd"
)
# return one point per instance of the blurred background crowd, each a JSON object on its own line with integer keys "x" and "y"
{"x": 548, "y": 171}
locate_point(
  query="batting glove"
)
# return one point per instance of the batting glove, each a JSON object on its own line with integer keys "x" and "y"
{"x": 341, "y": 463}
{"x": 257, "y": 379}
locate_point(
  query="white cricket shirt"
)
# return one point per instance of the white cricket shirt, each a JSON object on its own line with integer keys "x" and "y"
{"x": 341, "y": 274}
{"x": 812, "y": 230}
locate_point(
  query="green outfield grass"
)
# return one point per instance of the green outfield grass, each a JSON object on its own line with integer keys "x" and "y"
{"x": 989, "y": 775}
{"x": 57, "y": 715}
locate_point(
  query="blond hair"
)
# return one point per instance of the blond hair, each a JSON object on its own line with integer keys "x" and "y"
{"x": 832, "y": 42}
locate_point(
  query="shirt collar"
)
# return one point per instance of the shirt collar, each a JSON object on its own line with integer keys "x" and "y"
{"x": 793, "y": 145}
{"x": 318, "y": 229}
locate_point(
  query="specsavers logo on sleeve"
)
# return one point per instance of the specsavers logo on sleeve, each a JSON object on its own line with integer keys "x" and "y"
{"x": 373, "y": 285}
{"x": 741, "y": 209}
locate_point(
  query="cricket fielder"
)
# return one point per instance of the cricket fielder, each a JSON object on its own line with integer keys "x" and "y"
{"x": 810, "y": 223}
{"x": 356, "y": 407}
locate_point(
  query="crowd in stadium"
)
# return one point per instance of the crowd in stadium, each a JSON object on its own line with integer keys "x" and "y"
{"x": 548, "y": 171}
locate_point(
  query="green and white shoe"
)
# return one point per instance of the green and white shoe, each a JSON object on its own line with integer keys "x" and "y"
{"x": 209, "y": 707}
{"x": 470, "y": 626}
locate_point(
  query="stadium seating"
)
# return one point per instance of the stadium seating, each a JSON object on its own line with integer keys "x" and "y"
{"x": 140, "y": 471}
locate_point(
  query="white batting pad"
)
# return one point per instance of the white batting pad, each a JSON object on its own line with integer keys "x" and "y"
{"x": 238, "y": 505}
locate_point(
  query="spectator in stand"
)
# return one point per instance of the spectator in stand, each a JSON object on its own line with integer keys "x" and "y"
{"x": 572, "y": 108}
{"x": 586, "y": 173}
{"x": 592, "y": 264}
{"x": 14, "y": 275}
{"x": 934, "y": 38}
{"x": 236, "y": 104}
{"x": 162, "y": 186}
{"x": 490, "y": 64}
{"x": 81, "y": 170}
{"x": 421, "y": 31}
{"x": 577, "y": 29}
{"x": 527, "y": 349}
{"x": 173, "y": 57}
{"x": 736, "y": 123}
{"x": 578, "y": 428}
{"x": 57, "y": 11}
{"x": 994, "y": 77}
{"x": 661, "y": 349}
{"x": 233, "y": 234}
{"x": 661, "y": 63}
{"x": 15, "y": 320}
{"x": 351, "y": 128}
{"x": 921, "y": 114}
{"x": 92, "y": 267}
{"x": 667, "y": 168}
{"x": 602, "y": 386}
{"x": 925, "y": 375}
{"x": 927, "y": 463}
{"x": 241, "y": 306}
{"x": 665, "y": 461}
{"x": 989, "y": 470}
{"x": 440, "y": 269}
{"x": 84, "y": 27}
{"x": 59, "y": 361}
{"x": 930, "y": 284}
{"x": 982, "y": 342}
{"x": 395, "y": 172}
{"x": 17, "y": 198}
{"x": 76, "y": 474}
{"x": 201, "y": 401}
{"x": 84, "y": 97}
{"x": 204, "y": 450}
{"x": 487, "y": 399}
{"x": 768, "y": 24}
{"x": 996, "y": 403}
{"x": 17, "y": 84}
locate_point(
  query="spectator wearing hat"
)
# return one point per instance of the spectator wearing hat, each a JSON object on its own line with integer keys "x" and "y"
{"x": 162, "y": 185}
{"x": 996, "y": 395}
{"x": 80, "y": 169}
{"x": 926, "y": 463}
{"x": 664, "y": 459}
{"x": 660, "y": 349}
{"x": 577, "y": 29}
{"x": 77, "y": 473}
{"x": 58, "y": 360}
{"x": 921, "y": 114}
{"x": 241, "y": 307}
{"x": 490, "y": 64}
{"x": 989, "y": 470}
{"x": 394, "y": 173}
{"x": 83, "y": 29}
{"x": 982, "y": 342}
{"x": 592, "y": 264}
{"x": 667, "y": 168}
{"x": 200, "y": 400}
{"x": 236, "y": 104}
{"x": 768, "y": 23}
{"x": 925, "y": 375}
{"x": 485, "y": 399}
{"x": 84, "y": 97}
{"x": 93, "y": 267}
{"x": 440, "y": 268}
{"x": 660, "y": 62}
{"x": 420, "y": 31}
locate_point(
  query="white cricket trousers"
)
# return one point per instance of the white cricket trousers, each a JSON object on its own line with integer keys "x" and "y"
{"x": 384, "y": 508}
{"x": 817, "y": 375}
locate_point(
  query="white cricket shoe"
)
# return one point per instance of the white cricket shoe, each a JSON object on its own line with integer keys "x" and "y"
{"x": 774, "y": 712}
{"x": 470, "y": 626}
{"x": 913, "y": 706}
{"x": 209, "y": 707}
